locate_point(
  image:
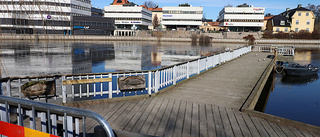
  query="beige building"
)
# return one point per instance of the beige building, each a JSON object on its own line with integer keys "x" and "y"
{"x": 265, "y": 21}
{"x": 156, "y": 12}
{"x": 211, "y": 26}
{"x": 293, "y": 20}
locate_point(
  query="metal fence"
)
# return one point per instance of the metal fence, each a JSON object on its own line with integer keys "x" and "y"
{"x": 155, "y": 80}
{"x": 282, "y": 50}
{"x": 47, "y": 117}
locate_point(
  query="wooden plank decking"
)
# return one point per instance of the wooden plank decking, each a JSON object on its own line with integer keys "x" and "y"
{"x": 207, "y": 105}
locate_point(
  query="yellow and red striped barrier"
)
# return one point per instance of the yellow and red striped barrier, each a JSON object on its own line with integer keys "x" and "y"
{"x": 12, "y": 130}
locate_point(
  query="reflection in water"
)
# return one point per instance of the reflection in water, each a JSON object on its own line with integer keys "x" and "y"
{"x": 296, "y": 98}
{"x": 33, "y": 58}
{"x": 299, "y": 79}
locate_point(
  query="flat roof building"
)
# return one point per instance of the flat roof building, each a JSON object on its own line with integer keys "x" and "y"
{"x": 242, "y": 18}
{"x": 41, "y": 16}
{"x": 184, "y": 17}
{"x": 128, "y": 16}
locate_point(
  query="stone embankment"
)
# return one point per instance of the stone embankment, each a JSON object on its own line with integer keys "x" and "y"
{"x": 153, "y": 39}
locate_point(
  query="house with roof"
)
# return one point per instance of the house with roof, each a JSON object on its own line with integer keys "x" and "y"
{"x": 211, "y": 26}
{"x": 293, "y": 20}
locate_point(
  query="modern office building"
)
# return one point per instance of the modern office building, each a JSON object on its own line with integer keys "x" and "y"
{"x": 96, "y": 12}
{"x": 41, "y": 16}
{"x": 184, "y": 17}
{"x": 156, "y": 13}
{"x": 128, "y": 16}
{"x": 293, "y": 20}
{"x": 242, "y": 18}
{"x": 82, "y": 25}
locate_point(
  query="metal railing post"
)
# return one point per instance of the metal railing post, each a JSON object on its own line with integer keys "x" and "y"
{"x": 174, "y": 75}
{"x": 8, "y": 88}
{"x": 198, "y": 66}
{"x": 149, "y": 83}
{"x": 110, "y": 85}
{"x": 188, "y": 69}
{"x": 64, "y": 90}
{"x": 156, "y": 80}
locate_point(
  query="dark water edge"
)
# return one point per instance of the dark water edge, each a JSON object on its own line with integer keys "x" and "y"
{"x": 295, "y": 98}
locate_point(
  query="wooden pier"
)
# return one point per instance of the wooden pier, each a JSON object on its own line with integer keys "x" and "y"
{"x": 206, "y": 105}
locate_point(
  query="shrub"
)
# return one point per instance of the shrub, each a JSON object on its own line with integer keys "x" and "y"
{"x": 250, "y": 39}
{"x": 282, "y": 35}
{"x": 315, "y": 34}
{"x": 268, "y": 34}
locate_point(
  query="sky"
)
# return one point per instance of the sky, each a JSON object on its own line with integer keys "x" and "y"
{"x": 211, "y": 8}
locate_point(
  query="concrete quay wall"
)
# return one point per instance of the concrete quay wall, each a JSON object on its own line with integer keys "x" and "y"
{"x": 153, "y": 39}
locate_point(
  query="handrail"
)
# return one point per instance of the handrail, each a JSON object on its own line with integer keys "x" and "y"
{"x": 155, "y": 79}
{"x": 56, "y": 109}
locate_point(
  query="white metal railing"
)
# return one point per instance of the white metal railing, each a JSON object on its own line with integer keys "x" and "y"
{"x": 282, "y": 50}
{"x": 155, "y": 80}
{"x": 25, "y": 113}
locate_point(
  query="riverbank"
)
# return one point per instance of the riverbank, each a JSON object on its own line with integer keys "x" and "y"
{"x": 153, "y": 39}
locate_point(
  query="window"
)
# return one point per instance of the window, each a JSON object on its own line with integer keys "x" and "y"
{"x": 278, "y": 29}
{"x": 297, "y": 22}
{"x": 299, "y": 14}
{"x": 285, "y": 29}
{"x": 307, "y": 14}
{"x": 308, "y": 29}
{"x": 296, "y": 30}
{"x": 308, "y": 22}
{"x": 282, "y": 22}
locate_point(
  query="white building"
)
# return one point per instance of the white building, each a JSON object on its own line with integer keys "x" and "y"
{"x": 41, "y": 16}
{"x": 128, "y": 17}
{"x": 184, "y": 17}
{"x": 242, "y": 18}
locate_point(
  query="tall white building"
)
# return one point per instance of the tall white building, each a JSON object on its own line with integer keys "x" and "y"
{"x": 184, "y": 17}
{"x": 242, "y": 18}
{"x": 41, "y": 16}
{"x": 128, "y": 17}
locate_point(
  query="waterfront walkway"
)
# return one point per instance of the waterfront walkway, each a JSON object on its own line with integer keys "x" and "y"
{"x": 206, "y": 105}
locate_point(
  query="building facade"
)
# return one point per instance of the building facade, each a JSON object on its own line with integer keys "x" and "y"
{"x": 211, "y": 27}
{"x": 184, "y": 17}
{"x": 128, "y": 17}
{"x": 41, "y": 16}
{"x": 294, "y": 20}
{"x": 242, "y": 18}
{"x": 82, "y": 25}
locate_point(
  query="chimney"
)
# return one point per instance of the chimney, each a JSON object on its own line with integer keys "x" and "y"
{"x": 287, "y": 9}
{"x": 299, "y": 6}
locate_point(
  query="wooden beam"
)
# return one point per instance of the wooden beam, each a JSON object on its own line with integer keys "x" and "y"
{"x": 84, "y": 81}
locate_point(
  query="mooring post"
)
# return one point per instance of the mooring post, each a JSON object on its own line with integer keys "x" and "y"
{"x": 110, "y": 85}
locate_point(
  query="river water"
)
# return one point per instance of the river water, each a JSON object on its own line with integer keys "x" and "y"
{"x": 32, "y": 58}
{"x": 289, "y": 97}
{"x": 295, "y": 98}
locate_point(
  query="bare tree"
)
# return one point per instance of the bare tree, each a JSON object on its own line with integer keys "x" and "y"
{"x": 316, "y": 11}
{"x": 150, "y": 4}
{"x": 155, "y": 21}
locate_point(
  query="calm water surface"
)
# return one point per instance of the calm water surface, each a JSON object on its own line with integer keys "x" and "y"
{"x": 296, "y": 98}
{"x": 29, "y": 58}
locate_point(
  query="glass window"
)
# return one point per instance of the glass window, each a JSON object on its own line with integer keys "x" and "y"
{"x": 308, "y": 29}
{"x": 297, "y": 22}
{"x": 278, "y": 29}
{"x": 308, "y": 22}
{"x": 282, "y": 22}
{"x": 296, "y": 30}
{"x": 299, "y": 14}
{"x": 307, "y": 14}
{"x": 285, "y": 29}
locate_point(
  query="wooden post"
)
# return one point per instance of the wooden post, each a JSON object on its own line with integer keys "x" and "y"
{"x": 275, "y": 58}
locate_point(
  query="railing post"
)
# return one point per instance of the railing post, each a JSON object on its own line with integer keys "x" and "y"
{"x": 110, "y": 85}
{"x": 198, "y": 66}
{"x": 188, "y": 69}
{"x": 149, "y": 83}
{"x": 64, "y": 90}
{"x": 207, "y": 63}
{"x": 8, "y": 88}
{"x": 174, "y": 75}
{"x": 156, "y": 81}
